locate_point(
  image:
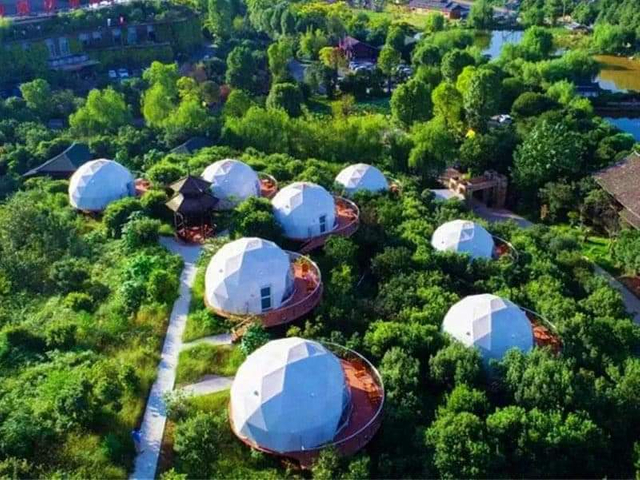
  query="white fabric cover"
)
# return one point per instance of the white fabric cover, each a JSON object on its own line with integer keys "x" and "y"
{"x": 298, "y": 208}
{"x": 240, "y": 269}
{"x": 490, "y": 323}
{"x": 463, "y": 236}
{"x": 98, "y": 183}
{"x": 232, "y": 182}
{"x": 359, "y": 177}
{"x": 289, "y": 395}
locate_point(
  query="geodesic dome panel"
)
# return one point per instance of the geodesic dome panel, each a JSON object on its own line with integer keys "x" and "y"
{"x": 232, "y": 182}
{"x": 290, "y": 395}
{"x": 304, "y": 210}
{"x": 362, "y": 177}
{"x": 97, "y": 183}
{"x": 463, "y": 236}
{"x": 249, "y": 275}
{"x": 490, "y": 323}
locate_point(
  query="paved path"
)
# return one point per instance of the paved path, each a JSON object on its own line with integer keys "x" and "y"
{"x": 208, "y": 384}
{"x": 222, "y": 339}
{"x": 155, "y": 416}
{"x": 631, "y": 302}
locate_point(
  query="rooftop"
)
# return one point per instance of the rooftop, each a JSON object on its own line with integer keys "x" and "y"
{"x": 621, "y": 181}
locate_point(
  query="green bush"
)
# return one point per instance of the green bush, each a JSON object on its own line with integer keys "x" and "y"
{"x": 140, "y": 232}
{"x": 162, "y": 287}
{"x": 118, "y": 213}
{"x": 79, "y": 301}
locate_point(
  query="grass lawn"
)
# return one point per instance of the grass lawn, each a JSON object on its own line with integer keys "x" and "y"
{"x": 394, "y": 13}
{"x": 205, "y": 359}
{"x": 597, "y": 249}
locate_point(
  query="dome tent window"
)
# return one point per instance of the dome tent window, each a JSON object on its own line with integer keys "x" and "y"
{"x": 265, "y": 298}
{"x": 323, "y": 223}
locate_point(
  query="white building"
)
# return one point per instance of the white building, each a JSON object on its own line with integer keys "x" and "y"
{"x": 304, "y": 210}
{"x": 463, "y": 236}
{"x": 232, "y": 182}
{"x": 362, "y": 177}
{"x": 98, "y": 183}
{"x": 248, "y": 276}
{"x": 290, "y": 395}
{"x": 490, "y": 323}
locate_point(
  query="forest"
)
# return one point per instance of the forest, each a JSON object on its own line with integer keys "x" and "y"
{"x": 85, "y": 299}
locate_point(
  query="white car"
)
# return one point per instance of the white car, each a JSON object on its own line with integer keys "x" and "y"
{"x": 123, "y": 73}
{"x": 112, "y": 74}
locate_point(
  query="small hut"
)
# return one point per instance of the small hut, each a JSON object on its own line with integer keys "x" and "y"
{"x": 192, "y": 205}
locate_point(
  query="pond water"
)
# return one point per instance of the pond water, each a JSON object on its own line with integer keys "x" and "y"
{"x": 618, "y": 74}
{"x": 491, "y": 42}
{"x": 628, "y": 125}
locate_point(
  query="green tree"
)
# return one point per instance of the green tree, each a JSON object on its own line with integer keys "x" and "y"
{"x": 240, "y": 69}
{"x": 219, "y": 17}
{"x": 481, "y": 15}
{"x": 37, "y": 94}
{"x": 286, "y": 97}
{"x": 434, "y": 22}
{"x": 279, "y": 54}
{"x": 481, "y": 98}
{"x": 453, "y": 62}
{"x": 548, "y": 153}
{"x": 104, "y": 111}
{"x": 461, "y": 447}
{"x": 456, "y": 364}
{"x": 447, "y": 104}
{"x": 411, "y": 102}
{"x": 434, "y": 146}
{"x": 626, "y": 251}
{"x": 311, "y": 42}
{"x": 388, "y": 62}
{"x": 425, "y": 54}
{"x": 537, "y": 43}
{"x": 197, "y": 443}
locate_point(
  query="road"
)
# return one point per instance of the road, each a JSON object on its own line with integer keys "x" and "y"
{"x": 155, "y": 415}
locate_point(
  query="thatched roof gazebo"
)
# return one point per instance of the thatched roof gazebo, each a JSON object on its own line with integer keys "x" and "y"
{"x": 192, "y": 206}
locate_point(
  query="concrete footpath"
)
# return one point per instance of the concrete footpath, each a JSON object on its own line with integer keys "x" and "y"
{"x": 155, "y": 416}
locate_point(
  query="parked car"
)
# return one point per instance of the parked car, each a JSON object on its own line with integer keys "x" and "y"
{"x": 123, "y": 73}
{"x": 113, "y": 75}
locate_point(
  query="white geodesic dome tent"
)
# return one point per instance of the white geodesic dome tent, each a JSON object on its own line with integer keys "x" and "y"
{"x": 290, "y": 395}
{"x": 304, "y": 210}
{"x": 97, "y": 183}
{"x": 232, "y": 182}
{"x": 362, "y": 177}
{"x": 248, "y": 276}
{"x": 489, "y": 323}
{"x": 463, "y": 236}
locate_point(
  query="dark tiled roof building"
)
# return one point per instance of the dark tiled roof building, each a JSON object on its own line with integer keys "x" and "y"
{"x": 622, "y": 182}
{"x": 64, "y": 164}
{"x": 449, "y": 9}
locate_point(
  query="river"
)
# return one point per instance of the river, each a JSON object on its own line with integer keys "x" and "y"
{"x": 618, "y": 74}
{"x": 491, "y": 43}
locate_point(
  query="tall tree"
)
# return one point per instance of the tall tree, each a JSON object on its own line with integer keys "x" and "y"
{"x": 105, "y": 111}
{"x": 481, "y": 15}
{"x": 240, "y": 69}
{"x": 481, "y": 98}
{"x": 411, "y": 102}
{"x": 388, "y": 62}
